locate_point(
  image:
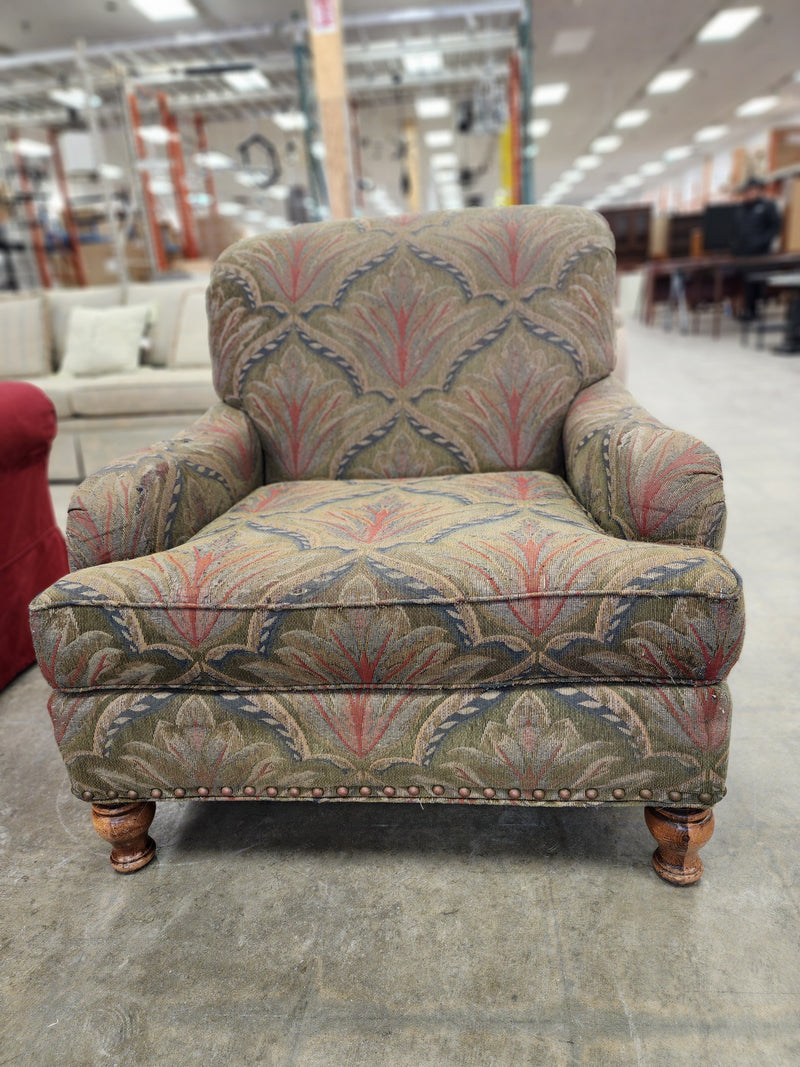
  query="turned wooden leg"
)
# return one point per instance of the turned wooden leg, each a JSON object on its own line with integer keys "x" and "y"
{"x": 125, "y": 828}
{"x": 680, "y": 833}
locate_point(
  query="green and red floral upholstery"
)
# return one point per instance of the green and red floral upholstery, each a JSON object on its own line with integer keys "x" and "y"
{"x": 426, "y": 545}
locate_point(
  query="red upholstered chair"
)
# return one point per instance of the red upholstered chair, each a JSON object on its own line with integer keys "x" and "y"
{"x": 32, "y": 549}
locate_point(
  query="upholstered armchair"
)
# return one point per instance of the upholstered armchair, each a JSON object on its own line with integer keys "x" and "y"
{"x": 32, "y": 549}
{"x": 426, "y": 547}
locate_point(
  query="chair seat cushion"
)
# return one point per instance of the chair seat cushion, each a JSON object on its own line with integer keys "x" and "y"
{"x": 445, "y": 582}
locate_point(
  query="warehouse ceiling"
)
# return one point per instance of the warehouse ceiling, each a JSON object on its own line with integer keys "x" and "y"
{"x": 606, "y": 52}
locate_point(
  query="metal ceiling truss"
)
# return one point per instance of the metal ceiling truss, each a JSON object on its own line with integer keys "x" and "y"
{"x": 473, "y": 38}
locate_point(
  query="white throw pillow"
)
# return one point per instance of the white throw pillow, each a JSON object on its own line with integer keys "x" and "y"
{"x": 105, "y": 340}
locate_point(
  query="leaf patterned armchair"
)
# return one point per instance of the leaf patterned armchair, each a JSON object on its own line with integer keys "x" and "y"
{"x": 426, "y": 547}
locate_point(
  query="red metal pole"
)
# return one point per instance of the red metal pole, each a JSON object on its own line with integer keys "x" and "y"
{"x": 34, "y": 223}
{"x": 149, "y": 203}
{"x": 177, "y": 170}
{"x": 69, "y": 217}
{"x": 208, "y": 174}
{"x": 514, "y": 119}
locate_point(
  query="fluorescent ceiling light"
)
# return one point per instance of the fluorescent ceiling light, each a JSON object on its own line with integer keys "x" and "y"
{"x": 438, "y": 138}
{"x": 539, "y": 128}
{"x": 32, "y": 149}
{"x": 432, "y": 107}
{"x": 200, "y": 199}
{"x": 444, "y": 160}
{"x": 626, "y": 120}
{"x": 649, "y": 170}
{"x": 631, "y": 181}
{"x": 422, "y": 63}
{"x": 111, "y": 172}
{"x": 161, "y": 187}
{"x": 155, "y": 134}
{"x": 214, "y": 161}
{"x": 245, "y": 81}
{"x": 446, "y": 175}
{"x": 165, "y": 10}
{"x": 587, "y": 162}
{"x": 757, "y": 106}
{"x": 571, "y": 42}
{"x": 278, "y": 192}
{"x": 681, "y": 151}
{"x": 551, "y": 93}
{"x": 670, "y": 81}
{"x": 711, "y": 133}
{"x": 728, "y": 23}
{"x": 290, "y": 121}
{"x": 609, "y": 143}
{"x": 572, "y": 176}
{"x": 75, "y": 99}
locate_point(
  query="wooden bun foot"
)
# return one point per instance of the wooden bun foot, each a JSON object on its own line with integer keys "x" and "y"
{"x": 124, "y": 827}
{"x": 680, "y": 833}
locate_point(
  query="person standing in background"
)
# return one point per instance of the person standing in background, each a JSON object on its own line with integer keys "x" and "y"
{"x": 756, "y": 225}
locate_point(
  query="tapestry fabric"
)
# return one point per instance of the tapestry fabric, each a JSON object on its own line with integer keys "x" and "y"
{"x": 432, "y": 344}
{"x": 424, "y": 548}
{"x": 640, "y": 479}
{"x": 496, "y": 579}
{"x": 161, "y": 496}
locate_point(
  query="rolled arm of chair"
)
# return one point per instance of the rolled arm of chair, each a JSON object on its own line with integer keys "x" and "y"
{"x": 159, "y": 497}
{"x": 638, "y": 478}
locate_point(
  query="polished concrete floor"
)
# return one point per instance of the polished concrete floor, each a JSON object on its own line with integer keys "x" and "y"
{"x": 289, "y": 935}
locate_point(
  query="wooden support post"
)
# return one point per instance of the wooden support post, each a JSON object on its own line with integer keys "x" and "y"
{"x": 325, "y": 33}
{"x": 177, "y": 172}
{"x": 414, "y": 191}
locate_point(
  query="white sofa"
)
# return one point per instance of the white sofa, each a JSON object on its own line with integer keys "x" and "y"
{"x": 102, "y": 416}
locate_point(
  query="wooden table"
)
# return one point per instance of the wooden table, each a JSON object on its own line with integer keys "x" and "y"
{"x": 713, "y": 277}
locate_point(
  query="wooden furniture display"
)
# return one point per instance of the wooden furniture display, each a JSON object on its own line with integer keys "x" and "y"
{"x": 708, "y": 280}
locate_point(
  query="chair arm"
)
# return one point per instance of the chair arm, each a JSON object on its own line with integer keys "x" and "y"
{"x": 638, "y": 478}
{"x": 161, "y": 496}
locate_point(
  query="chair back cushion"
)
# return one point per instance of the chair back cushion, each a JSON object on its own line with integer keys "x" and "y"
{"x": 427, "y": 344}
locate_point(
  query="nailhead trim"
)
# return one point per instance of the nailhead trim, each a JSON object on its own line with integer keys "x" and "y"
{"x": 464, "y": 792}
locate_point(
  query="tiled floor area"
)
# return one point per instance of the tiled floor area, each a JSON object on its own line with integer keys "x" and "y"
{"x": 290, "y": 935}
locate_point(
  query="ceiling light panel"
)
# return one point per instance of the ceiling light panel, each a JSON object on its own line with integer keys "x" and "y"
{"x": 680, "y": 151}
{"x": 290, "y": 121}
{"x": 609, "y": 143}
{"x": 650, "y": 170}
{"x": 438, "y": 138}
{"x": 588, "y": 162}
{"x": 571, "y": 42}
{"x": 75, "y": 99}
{"x": 539, "y": 128}
{"x": 432, "y": 107}
{"x": 23, "y": 146}
{"x": 155, "y": 134}
{"x": 710, "y": 133}
{"x": 670, "y": 81}
{"x": 728, "y": 23}
{"x": 165, "y": 10}
{"x": 245, "y": 81}
{"x": 627, "y": 120}
{"x": 422, "y": 63}
{"x": 443, "y": 160}
{"x": 757, "y": 106}
{"x": 549, "y": 94}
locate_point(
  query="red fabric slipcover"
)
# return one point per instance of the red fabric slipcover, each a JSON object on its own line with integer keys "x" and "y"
{"x": 32, "y": 549}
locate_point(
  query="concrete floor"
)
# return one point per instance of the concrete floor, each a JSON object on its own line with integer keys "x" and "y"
{"x": 289, "y": 935}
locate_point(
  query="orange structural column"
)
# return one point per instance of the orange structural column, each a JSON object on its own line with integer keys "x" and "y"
{"x": 208, "y": 174}
{"x": 177, "y": 170}
{"x": 70, "y": 225}
{"x": 34, "y": 223}
{"x": 147, "y": 194}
